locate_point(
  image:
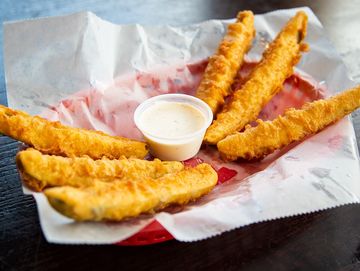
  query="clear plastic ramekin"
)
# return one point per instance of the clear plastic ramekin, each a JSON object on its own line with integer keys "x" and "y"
{"x": 179, "y": 148}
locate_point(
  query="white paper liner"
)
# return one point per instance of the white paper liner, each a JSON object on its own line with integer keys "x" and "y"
{"x": 61, "y": 55}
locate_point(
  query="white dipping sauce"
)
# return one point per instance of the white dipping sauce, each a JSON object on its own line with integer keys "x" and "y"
{"x": 173, "y": 125}
{"x": 172, "y": 120}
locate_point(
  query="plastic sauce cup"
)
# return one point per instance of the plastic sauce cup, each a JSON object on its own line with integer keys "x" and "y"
{"x": 165, "y": 143}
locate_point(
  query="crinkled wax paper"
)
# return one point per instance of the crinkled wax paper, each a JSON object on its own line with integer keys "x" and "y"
{"x": 90, "y": 73}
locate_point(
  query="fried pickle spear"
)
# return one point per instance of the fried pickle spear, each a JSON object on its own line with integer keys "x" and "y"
{"x": 122, "y": 199}
{"x": 55, "y": 138}
{"x": 40, "y": 171}
{"x": 223, "y": 66}
{"x": 257, "y": 142}
{"x": 264, "y": 81}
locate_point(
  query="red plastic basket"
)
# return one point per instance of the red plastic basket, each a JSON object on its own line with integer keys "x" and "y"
{"x": 152, "y": 234}
{"x": 295, "y": 93}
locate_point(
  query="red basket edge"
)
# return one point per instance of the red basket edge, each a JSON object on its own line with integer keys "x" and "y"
{"x": 152, "y": 234}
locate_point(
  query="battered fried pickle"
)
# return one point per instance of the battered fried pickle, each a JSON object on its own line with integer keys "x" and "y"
{"x": 256, "y": 142}
{"x": 55, "y": 138}
{"x": 264, "y": 81}
{"x": 122, "y": 199}
{"x": 223, "y": 66}
{"x": 40, "y": 171}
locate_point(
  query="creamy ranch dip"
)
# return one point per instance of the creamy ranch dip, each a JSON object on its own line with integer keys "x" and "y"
{"x": 172, "y": 119}
{"x": 173, "y": 125}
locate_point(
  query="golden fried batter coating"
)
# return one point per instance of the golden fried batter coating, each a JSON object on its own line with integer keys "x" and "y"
{"x": 257, "y": 142}
{"x": 223, "y": 66}
{"x": 55, "y": 138}
{"x": 264, "y": 81}
{"x": 122, "y": 199}
{"x": 40, "y": 171}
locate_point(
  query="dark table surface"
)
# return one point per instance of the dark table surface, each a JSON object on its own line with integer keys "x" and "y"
{"x": 328, "y": 240}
